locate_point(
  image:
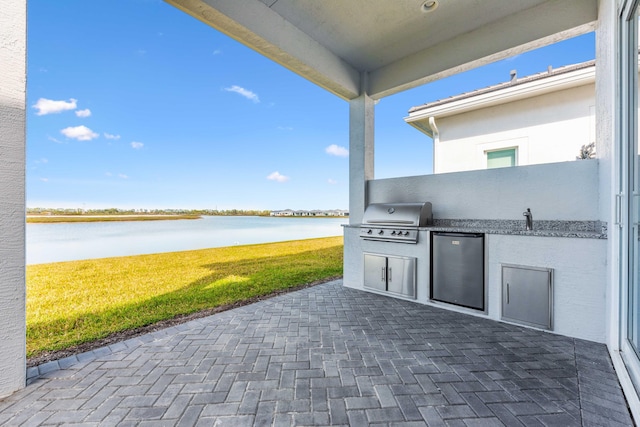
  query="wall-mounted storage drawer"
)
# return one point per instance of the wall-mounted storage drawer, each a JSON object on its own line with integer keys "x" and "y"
{"x": 527, "y": 295}
{"x": 390, "y": 273}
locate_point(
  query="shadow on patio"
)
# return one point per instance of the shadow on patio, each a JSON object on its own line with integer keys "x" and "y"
{"x": 330, "y": 355}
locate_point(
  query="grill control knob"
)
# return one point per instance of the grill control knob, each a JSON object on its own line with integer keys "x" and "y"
{"x": 381, "y": 232}
{"x": 393, "y": 233}
{"x": 370, "y": 231}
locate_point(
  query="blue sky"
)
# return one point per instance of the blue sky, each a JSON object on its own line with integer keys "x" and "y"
{"x": 135, "y": 104}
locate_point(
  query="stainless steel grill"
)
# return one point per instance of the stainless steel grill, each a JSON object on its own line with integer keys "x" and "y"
{"x": 395, "y": 222}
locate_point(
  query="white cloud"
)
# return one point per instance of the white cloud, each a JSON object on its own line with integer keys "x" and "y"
{"x": 42, "y": 160}
{"x": 81, "y": 133}
{"x": 108, "y": 174}
{"x": 284, "y": 128}
{"x": 110, "y": 136}
{"x": 276, "y": 176}
{"x": 44, "y": 179}
{"x": 137, "y": 145}
{"x": 83, "y": 113}
{"x": 123, "y": 176}
{"x": 50, "y": 138}
{"x": 332, "y": 181}
{"x": 243, "y": 92}
{"x": 336, "y": 150}
{"x": 217, "y": 52}
{"x": 49, "y": 106}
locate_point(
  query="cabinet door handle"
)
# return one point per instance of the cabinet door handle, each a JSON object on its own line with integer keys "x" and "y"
{"x": 618, "y": 210}
{"x": 390, "y": 274}
{"x": 507, "y": 293}
{"x": 383, "y": 278}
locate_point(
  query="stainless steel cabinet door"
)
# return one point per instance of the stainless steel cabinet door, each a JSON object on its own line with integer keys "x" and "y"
{"x": 527, "y": 295}
{"x": 375, "y": 271}
{"x": 401, "y": 275}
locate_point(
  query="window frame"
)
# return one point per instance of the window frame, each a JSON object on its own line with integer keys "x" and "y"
{"x": 504, "y": 149}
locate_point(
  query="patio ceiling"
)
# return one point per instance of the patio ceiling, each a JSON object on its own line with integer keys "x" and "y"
{"x": 394, "y": 43}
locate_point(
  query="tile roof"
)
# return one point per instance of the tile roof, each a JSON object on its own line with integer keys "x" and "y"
{"x": 519, "y": 81}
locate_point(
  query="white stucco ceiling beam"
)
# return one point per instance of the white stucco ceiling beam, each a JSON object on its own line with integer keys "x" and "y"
{"x": 254, "y": 24}
{"x": 547, "y": 23}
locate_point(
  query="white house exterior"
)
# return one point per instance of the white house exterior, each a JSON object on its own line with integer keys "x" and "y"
{"x": 344, "y": 47}
{"x": 286, "y": 212}
{"x": 543, "y": 118}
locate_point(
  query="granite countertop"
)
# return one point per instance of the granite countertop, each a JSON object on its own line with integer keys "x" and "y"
{"x": 543, "y": 228}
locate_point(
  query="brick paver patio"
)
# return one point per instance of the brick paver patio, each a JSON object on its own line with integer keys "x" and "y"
{"x": 329, "y": 355}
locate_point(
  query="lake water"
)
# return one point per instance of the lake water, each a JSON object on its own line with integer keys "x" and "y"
{"x": 74, "y": 241}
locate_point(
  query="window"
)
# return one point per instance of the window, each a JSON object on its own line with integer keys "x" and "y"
{"x": 501, "y": 158}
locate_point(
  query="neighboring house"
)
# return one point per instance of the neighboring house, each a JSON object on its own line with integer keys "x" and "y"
{"x": 289, "y": 212}
{"x": 542, "y": 118}
{"x": 286, "y": 212}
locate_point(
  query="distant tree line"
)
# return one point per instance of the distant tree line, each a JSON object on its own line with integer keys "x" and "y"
{"x": 115, "y": 211}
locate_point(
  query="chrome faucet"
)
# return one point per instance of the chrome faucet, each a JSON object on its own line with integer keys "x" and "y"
{"x": 529, "y": 219}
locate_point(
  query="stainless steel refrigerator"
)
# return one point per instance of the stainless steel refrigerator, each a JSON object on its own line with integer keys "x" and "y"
{"x": 457, "y": 269}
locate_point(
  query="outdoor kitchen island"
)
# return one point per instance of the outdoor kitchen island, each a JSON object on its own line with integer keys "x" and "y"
{"x": 568, "y": 244}
{"x": 577, "y": 293}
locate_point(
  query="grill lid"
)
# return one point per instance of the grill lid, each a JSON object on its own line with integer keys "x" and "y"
{"x": 398, "y": 214}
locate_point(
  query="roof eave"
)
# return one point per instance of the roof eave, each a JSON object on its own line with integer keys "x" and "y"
{"x": 419, "y": 117}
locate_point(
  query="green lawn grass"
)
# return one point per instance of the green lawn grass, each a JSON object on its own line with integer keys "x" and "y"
{"x": 38, "y": 219}
{"x": 70, "y": 303}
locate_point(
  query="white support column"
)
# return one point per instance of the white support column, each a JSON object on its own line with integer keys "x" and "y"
{"x": 13, "y": 38}
{"x": 361, "y": 140}
{"x": 361, "y": 144}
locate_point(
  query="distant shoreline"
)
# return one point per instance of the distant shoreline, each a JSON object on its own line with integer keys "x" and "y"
{"x": 52, "y": 219}
{"x": 48, "y": 219}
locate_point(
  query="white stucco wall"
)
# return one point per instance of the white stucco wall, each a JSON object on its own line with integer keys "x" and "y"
{"x": 579, "y": 279}
{"x": 556, "y": 191}
{"x": 12, "y": 191}
{"x": 546, "y": 128}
